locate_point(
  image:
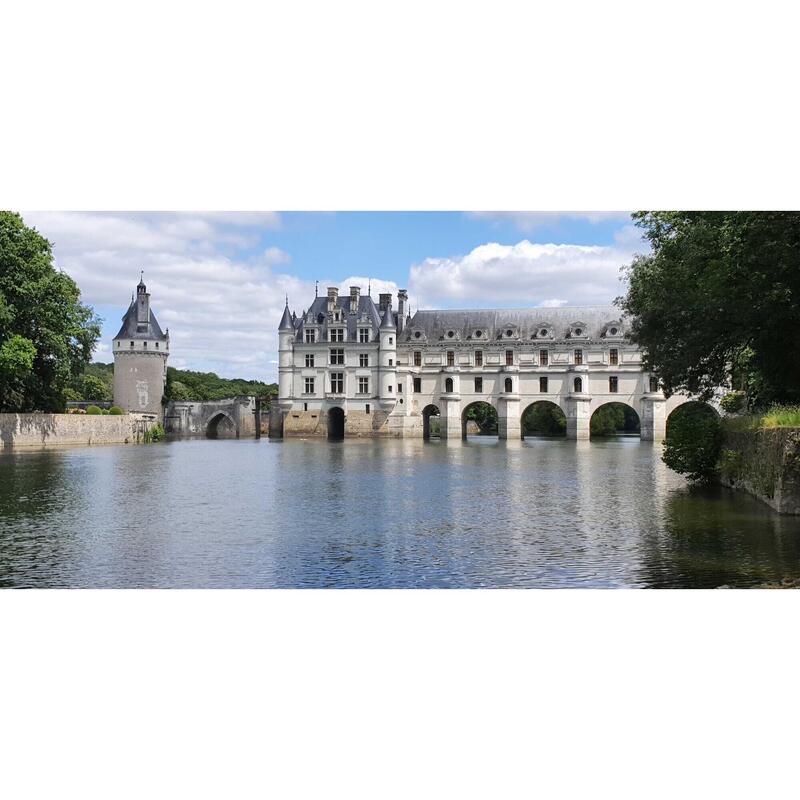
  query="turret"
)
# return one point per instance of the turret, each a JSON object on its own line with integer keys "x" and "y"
{"x": 388, "y": 356}
{"x": 286, "y": 333}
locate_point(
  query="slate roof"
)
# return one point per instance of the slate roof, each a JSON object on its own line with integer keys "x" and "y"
{"x": 367, "y": 311}
{"x": 525, "y": 322}
{"x": 132, "y": 330}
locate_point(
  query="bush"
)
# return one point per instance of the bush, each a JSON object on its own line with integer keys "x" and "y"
{"x": 733, "y": 402}
{"x": 730, "y": 464}
{"x": 93, "y": 410}
{"x": 781, "y": 417}
{"x": 115, "y": 410}
{"x": 693, "y": 443}
{"x": 154, "y": 434}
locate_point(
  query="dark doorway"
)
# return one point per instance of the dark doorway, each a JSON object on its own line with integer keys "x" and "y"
{"x": 221, "y": 426}
{"x": 335, "y": 424}
{"x": 430, "y": 427}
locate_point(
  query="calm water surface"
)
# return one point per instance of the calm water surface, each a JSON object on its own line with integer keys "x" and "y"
{"x": 538, "y": 513}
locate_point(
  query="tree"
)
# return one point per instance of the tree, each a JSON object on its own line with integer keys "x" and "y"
{"x": 94, "y": 388}
{"x": 544, "y": 419}
{"x": 693, "y": 443}
{"x": 720, "y": 291}
{"x": 607, "y": 420}
{"x": 46, "y": 334}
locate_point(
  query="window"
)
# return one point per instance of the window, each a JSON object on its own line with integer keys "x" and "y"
{"x": 391, "y": 389}
{"x": 653, "y": 384}
{"x": 479, "y": 358}
{"x": 450, "y": 334}
{"x": 613, "y": 384}
{"x": 131, "y": 344}
{"x": 144, "y": 344}
{"x": 367, "y": 407}
{"x": 509, "y": 358}
{"x": 543, "y": 385}
{"x": 363, "y": 335}
{"x": 337, "y": 355}
{"x": 336, "y": 334}
{"x": 579, "y": 357}
{"x": 391, "y": 340}
{"x": 311, "y": 336}
{"x": 309, "y": 386}
{"x": 543, "y": 358}
{"x": 391, "y": 362}
{"x": 478, "y": 385}
{"x": 399, "y": 388}
{"x": 309, "y": 359}
{"x": 363, "y": 385}
{"x": 509, "y": 386}
{"x": 417, "y": 334}
{"x": 417, "y": 385}
{"x": 417, "y": 358}
{"x": 363, "y": 359}
{"x": 578, "y": 385}
{"x": 305, "y": 406}
{"x": 509, "y": 333}
{"x": 613, "y": 356}
{"x": 337, "y": 382}
{"x": 448, "y": 385}
{"x": 156, "y": 345}
{"x": 451, "y": 358}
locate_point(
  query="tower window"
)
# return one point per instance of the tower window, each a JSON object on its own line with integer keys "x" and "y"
{"x": 509, "y": 358}
{"x": 543, "y": 385}
{"x": 399, "y": 388}
{"x": 613, "y": 356}
{"x": 156, "y": 345}
{"x": 367, "y": 407}
{"x": 479, "y": 358}
{"x": 391, "y": 362}
{"x": 544, "y": 356}
{"x": 579, "y": 357}
{"x": 613, "y": 384}
{"x": 417, "y": 358}
{"x": 144, "y": 344}
{"x": 131, "y": 344}
{"x": 417, "y": 385}
{"x": 391, "y": 340}
{"x": 451, "y": 358}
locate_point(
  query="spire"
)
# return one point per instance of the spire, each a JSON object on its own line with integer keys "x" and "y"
{"x": 388, "y": 319}
{"x": 316, "y": 289}
{"x": 286, "y": 319}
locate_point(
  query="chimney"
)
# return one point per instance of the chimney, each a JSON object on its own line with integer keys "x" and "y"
{"x": 355, "y": 293}
{"x": 384, "y": 300}
{"x": 402, "y": 309}
{"x": 333, "y": 297}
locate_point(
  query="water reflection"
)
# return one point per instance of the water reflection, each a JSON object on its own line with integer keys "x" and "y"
{"x": 404, "y": 513}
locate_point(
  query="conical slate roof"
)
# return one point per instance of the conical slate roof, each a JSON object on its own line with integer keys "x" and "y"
{"x": 388, "y": 319}
{"x": 132, "y": 329}
{"x": 286, "y": 320}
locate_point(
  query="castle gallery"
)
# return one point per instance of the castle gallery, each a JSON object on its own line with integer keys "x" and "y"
{"x": 349, "y": 367}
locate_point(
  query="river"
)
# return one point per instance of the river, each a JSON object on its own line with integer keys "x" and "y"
{"x": 379, "y": 513}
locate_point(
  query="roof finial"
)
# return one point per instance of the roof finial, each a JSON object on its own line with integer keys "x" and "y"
{"x": 316, "y": 289}
{"x": 369, "y": 287}
{"x": 287, "y": 299}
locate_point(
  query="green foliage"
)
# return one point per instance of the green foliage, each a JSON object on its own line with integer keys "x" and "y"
{"x": 115, "y": 411}
{"x": 93, "y": 388}
{"x": 733, "y": 402}
{"x": 719, "y": 288}
{"x": 484, "y": 415}
{"x": 155, "y": 433}
{"x": 189, "y": 385}
{"x": 781, "y": 417}
{"x": 693, "y": 443}
{"x": 614, "y": 418}
{"x": 544, "y": 419}
{"x": 46, "y": 334}
{"x": 93, "y": 410}
{"x": 730, "y": 464}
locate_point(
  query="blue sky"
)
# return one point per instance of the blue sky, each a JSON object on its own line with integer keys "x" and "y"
{"x": 218, "y": 279}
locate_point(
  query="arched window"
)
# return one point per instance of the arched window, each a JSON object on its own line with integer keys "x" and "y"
{"x": 653, "y": 384}
{"x": 509, "y": 387}
{"x": 448, "y": 385}
{"x": 578, "y": 385}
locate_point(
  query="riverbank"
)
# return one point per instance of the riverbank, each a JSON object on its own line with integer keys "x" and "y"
{"x": 36, "y": 431}
{"x": 764, "y": 462}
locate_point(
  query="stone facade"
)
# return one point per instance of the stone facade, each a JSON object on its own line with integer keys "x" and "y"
{"x": 53, "y": 430}
{"x": 388, "y": 371}
{"x": 140, "y": 358}
{"x": 216, "y": 419}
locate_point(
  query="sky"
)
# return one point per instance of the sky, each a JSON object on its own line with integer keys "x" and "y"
{"x": 219, "y": 280}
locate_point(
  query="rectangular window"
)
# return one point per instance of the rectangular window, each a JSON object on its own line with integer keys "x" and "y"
{"x": 543, "y": 385}
{"x": 543, "y": 358}
{"x": 579, "y": 357}
{"x": 363, "y": 359}
{"x": 131, "y": 344}
{"x": 336, "y": 334}
{"x": 653, "y": 384}
{"x": 305, "y": 406}
{"x": 309, "y": 386}
{"x": 337, "y": 355}
{"x": 417, "y": 358}
{"x": 509, "y": 358}
{"x": 391, "y": 388}
{"x": 337, "y": 382}
{"x": 391, "y": 362}
{"x": 367, "y": 408}
{"x": 311, "y": 336}
{"x": 363, "y": 385}
{"x": 613, "y": 384}
{"x": 451, "y": 358}
{"x": 478, "y": 385}
{"x": 363, "y": 335}
{"x": 391, "y": 340}
{"x": 309, "y": 359}
{"x": 156, "y": 345}
{"x": 399, "y": 388}
{"x": 479, "y": 358}
{"x": 417, "y": 385}
{"x": 613, "y": 356}
{"x": 145, "y": 345}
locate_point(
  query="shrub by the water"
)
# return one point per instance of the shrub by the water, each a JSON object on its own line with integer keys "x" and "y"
{"x": 693, "y": 443}
{"x": 115, "y": 410}
{"x": 93, "y": 410}
{"x": 733, "y": 402}
{"x": 154, "y": 434}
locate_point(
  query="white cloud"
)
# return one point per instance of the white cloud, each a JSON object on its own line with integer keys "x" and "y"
{"x": 524, "y": 274}
{"x": 553, "y": 303}
{"x": 528, "y": 221}
{"x": 274, "y": 255}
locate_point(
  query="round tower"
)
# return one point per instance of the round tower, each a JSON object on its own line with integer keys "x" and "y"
{"x": 387, "y": 358}
{"x": 285, "y": 359}
{"x": 140, "y": 353}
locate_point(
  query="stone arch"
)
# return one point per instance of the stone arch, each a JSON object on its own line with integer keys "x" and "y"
{"x": 487, "y": 414}
{"x": 543, "y": 418}
{"x": 626, "y": 420}
{"x": 221, "y": 426}
{"x": 428, "y": 412}
{"x": 335, "y": 423}
{"x": 689, "y": 405}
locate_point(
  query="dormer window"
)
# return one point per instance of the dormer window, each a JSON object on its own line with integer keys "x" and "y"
{"x": 478, "y": 334}
{"x": 509, "y": 333}
{"x": 336, "y": 334}
{"x": 363, "y": 335}
{"x": 613, "y": 332}
{"x": 543, "y": 332}
{"x": 417, "y": 334}
{"x": 579, "y": 331}
{"x": 311, "y": 336}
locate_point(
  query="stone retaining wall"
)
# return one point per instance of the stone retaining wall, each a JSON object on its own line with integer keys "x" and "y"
{"x": 766, "y": 464}
{"x": 52, "y": 430}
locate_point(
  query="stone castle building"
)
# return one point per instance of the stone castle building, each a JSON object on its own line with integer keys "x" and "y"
{"x": 349, "y": 367}
{"x": 140, "y": 352}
